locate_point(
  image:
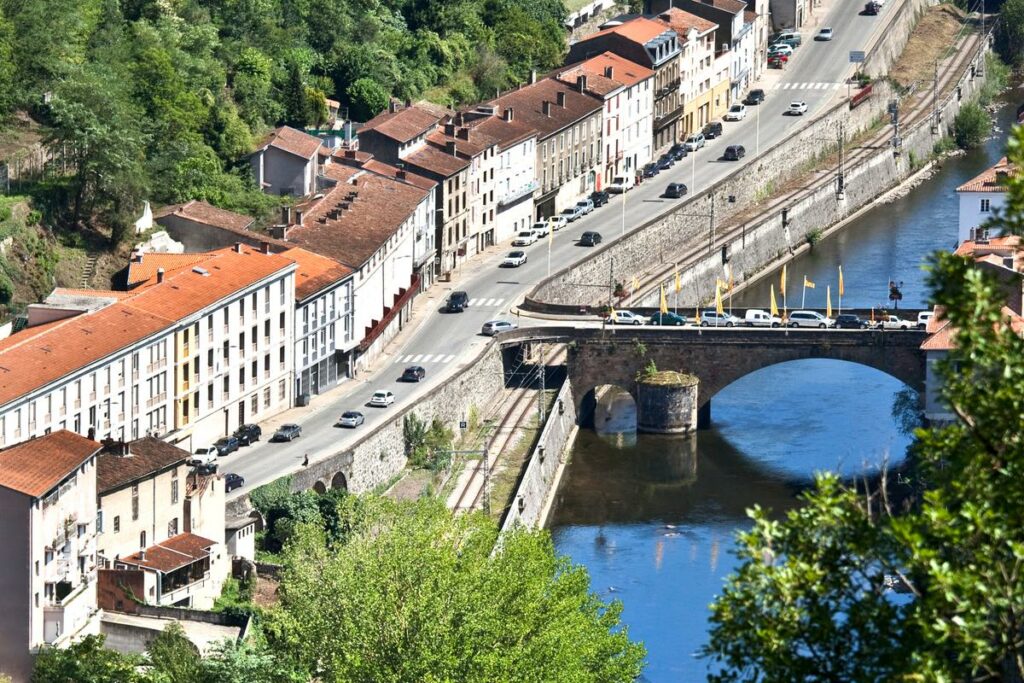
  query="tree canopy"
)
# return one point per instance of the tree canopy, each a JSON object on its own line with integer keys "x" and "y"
{"x": 808, "y": 600}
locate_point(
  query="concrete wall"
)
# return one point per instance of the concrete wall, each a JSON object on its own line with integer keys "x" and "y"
{"x": 202, "y": 237}
{"x": 537, "y": 483}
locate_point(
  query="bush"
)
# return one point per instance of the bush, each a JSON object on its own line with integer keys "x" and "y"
{"x": 971, "y": 126}
{"x": 945, "y": 145}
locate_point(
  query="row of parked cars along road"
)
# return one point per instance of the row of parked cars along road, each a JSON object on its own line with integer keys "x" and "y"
{"x": 758, "y": 318}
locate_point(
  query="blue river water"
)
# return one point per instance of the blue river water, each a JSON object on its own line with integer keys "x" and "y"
{"x": 654, "y": 518}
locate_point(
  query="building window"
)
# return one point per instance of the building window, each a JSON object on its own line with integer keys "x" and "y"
{"x": 281, "y": 390}
{"x": 135, "y": 502}
{"x": 172, "y": 527}
{"x": 117, "y": 523}
{"x": 255, "y": 404}
{"x": 142, "y": 540}
{"x": 99, "y": 521}
{"x": 266, "y": 398}
{"x": 174, "y": 487}
{"x": 986, "y": 205}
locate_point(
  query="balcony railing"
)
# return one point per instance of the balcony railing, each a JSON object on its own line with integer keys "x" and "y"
{"x": 519, "y": 193}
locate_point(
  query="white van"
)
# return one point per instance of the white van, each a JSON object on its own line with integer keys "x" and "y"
{"x": 758, "y": 318}
{"x": 620, "y": 184}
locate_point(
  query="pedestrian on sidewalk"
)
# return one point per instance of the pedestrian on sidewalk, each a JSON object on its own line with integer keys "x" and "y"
{"x": 305, "y": 461}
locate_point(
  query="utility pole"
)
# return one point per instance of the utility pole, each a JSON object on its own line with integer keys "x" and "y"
{"x": 894, "y": 111}
{"x": 487, "y": 480}
{"x": 543, "y": 373}
{"x": 711, "y": 245}
{"x": 841, "y": 180}
{"x": 935, "y": 100}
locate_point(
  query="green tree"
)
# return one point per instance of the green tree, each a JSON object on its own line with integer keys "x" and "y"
{"x": 971, "y": 126}
{"x": 366, "y": 99}
{"x": 1011, "y": 31}
{"x": 247, "y": 662}
{"x": 174, "y": 656}
{"x": 86, "y": 661}
{"x": 295, "y": 99}
{"x": 415, "y": 594}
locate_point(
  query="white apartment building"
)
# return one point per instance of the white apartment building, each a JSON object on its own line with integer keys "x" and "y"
{"x": 980, "y": 198}
{"x": 198, "y": 345}
{"x": 628, "y": 113}
{"x": 47, "y": 521}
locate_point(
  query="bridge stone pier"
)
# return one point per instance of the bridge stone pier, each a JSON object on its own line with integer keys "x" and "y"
{"x": 717, "y": 358}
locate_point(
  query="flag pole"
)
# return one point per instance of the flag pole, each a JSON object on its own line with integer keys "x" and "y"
{"x": 803, "y": 296}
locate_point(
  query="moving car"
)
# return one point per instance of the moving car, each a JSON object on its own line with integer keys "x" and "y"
{"x": 625, "y": 318}
{"x": 233, "y": 481}
{"x": 228, "y": 444}
{"x": 668, "y": 318}
{"x": 675, "y": 190}
{"x": 351, "y": 419}
{"x": 457, "y": 302}
{"x": 758, "y": 318}
{"x": 571, "y": 213}
{"x": 204, "y": 455}
{"x": 621, "y": 184}
{"x": 734, "y": 152}
{"x": 712, "y": 130}
{"x": 694, "y": 142}
{"x": 809, "y": 319}
{"x": 824, "y": 34}
{"x": 248, "y": 434}
{"x": 755, "y": 96}
{"x": 599, "y": 197}
{"x": 590, "y": 239}
{"x": 872, "y": 8}
{"x": 525, "y": 238}
{"x": 287, "y": 432}
{"x": 413, "y": 373}
{"x": 650, "y": 170}
{"x": 585, "y": 206}
{"x": 382, "y": 399}
{"x": 514, "y": 259}
{"x": 737, "y": 112}
{"x": 849, "y": 321}
{"x": 493, "y": 327}
{"x": 797, "y": 108}
{"x": 712, "y": 318}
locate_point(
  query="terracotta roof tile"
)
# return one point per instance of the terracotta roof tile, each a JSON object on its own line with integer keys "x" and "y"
{"x": 640, "y": 30}
{"x": 527, "y": 104}
{"x": 1000, "y": 243}
{"x": 314, "y": 272}
{"x": 732, "y": 6}
{"x": 623, "y": 73}
{"x": 382, "y": 169}
{"x": 103, "y": 293}
{"x": 291, "y": 140}
{"x": 406, "y": 123}
{"x": 506, "y": 133}
{"x": 682, "y": 21}
{"x": 944, "y": 336}
{"x": 208, "y": 214}
{"x": 35, "y": 466}
{"x": 433, "y": 160}
{"x": 148, "y": 457}
{"x": 174, "y": 553}
{"x": 987, "y": 180}
{"x": 146, "y": 270}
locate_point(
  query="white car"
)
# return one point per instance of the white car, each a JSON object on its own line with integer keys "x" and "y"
{"x": 514, "y": 259}
{"x": 824, "y": 34}
{"x": 207, "y": 455}
{"x": 542, "y": 228}
{"x": 621, "y": 184}
{"x": 557, "y": 222}
{"x": 797, "y": 108}
{"x": 382, "y": 399}
{"x": 923, "y": 319}
{"x": 809, "y": 319}
{"x": 694, "y": 142}
{"x": 493, "y": 327}
{"x": 781, "y": 48}
{"x": 737, "y": 112}
{"x": 626, "y": 318}
{"x": 893, "y": 322}
{"x": 712, "y": 318}
{"x": 525, "y": 238}
{"x": 758, "y": 318}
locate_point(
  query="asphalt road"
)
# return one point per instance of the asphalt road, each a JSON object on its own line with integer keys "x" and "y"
{"x": 442, "y": 343}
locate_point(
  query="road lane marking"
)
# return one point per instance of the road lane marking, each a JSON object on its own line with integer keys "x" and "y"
{"x": 417, "y": 358}
{"x": 447, "y": 359}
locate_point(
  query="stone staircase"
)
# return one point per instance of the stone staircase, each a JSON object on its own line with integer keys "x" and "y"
{"x": 89, "y": 271}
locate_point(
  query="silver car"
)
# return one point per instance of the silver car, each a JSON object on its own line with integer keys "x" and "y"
{"x": 351, "y": 418}
{"x": 493, "y": 327}
{"x": 809, "y": 319}
{"x": 713, "y": 318}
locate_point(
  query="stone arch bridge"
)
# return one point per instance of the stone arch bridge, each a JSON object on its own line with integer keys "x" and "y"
{"x": 717, "y": 357}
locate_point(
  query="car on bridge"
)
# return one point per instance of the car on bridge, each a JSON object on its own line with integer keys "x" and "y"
{"x": 382, "y": 399}
{"x": 493, "y": 327}
{"x": 590, "y": 239}
{"x": 755, "y": 317}
{"x": 668, "y": 318}
{"x": 625, "y": 318}
{"x": 712, "y": 318}
{"x": 893, "y": 322}
{"x": 514, "y": 259}
{"x": 413, "y": 373}
{"x": 849, "y": 321}
{"x": 351, "y": 419}
{"x": 809, "y": 319}
{"x": 675, "y": 191}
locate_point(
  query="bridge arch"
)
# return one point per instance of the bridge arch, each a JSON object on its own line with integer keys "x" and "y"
{"x": 339, "y": 481}
{"x": 601, "y": 404}
{"x": 319, "y": 487}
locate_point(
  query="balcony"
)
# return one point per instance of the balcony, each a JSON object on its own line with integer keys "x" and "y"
{"x": 186, "y": 350}
{"x": 156, "y": 365}
{"x": 67, "y": 614}
{"x": 519, "y": 193}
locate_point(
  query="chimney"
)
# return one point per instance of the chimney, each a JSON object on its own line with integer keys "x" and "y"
{"x": 450, "y": 147}
{"x": 142, "y": 555}
{"x": 286, "y": 214}
{"x": 449, "y": 129}
{"x": 334, "y": 214}
{"x": 609, "y": 72}
{"x": 1001, "y": 176}
{"x": 463, "y": 133}
{"x": 279, "y": 232}
{"x": 298, "y": 217}
{"x": 408, "y": 102}
{"x": 159, "y": 275}
{"x": 265, "y": 247}
{"x": 400, "y": 174}
{"x": 533, "y": 76}
{"x": 392, "y": 106}
{"x": 459, "y": 120}
{"x": 561, "y": 98}
{"x": 581, "y": 83}
{"x": 509, "y": 113}
{"x": 547, "y": 108}
{"x": 238, "y": 247}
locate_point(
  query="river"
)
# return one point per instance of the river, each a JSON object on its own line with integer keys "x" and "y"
{"x": 653, "y": 518}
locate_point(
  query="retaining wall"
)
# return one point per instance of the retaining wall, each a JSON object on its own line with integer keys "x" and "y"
{"x": 889, "y": 46}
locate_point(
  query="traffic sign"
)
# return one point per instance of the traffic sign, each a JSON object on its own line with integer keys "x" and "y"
{"x": 856, "y": 56}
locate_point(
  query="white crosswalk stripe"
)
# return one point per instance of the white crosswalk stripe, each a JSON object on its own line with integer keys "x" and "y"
{"x": 486, "y": 302}
{"x": 424, "y": 358}
{"x": 448, "y": 358}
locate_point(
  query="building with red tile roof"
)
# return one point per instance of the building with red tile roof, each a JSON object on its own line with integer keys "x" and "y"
{"x": 196, "y": 211}
{"x": 34, "y": 468}
{"x": 286, "y": 162}
{"x": 981, "y": 198}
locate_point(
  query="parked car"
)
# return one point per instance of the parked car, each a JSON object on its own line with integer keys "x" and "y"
{"x": 872, "y": 8}
{"x": 755, "y": 96}
{"x": 287, "y": 432}
{"x": 207, "y": 468}
{"x": 809, "y": 319}
{"x": 571, "y": 213}
{"x": 599, "y": 197}
{"x": 677, "y": 151}
{"x": 585, "y": 206}
{"x": 204, "y": 455}
{"x": 675, "y": 190}
{"x": 650, "y": 170}
{"x": 923, "y": 318}
{"x": 694, "y": 142}
{"x": 457, "y": 302}
{"x": 541, "y": 228}
{"x": 351, "y": 419}
{"x": 248, "y": 434}
{"x": 734, "y": 152}
{"x": 758, "y": 318}
{"x": 665, "y": 162}
{"x": 621, "y": 184}
{"x": 781, "y": 49}
{"x": 850, "y": 321}
{"x": 233, "y": 481}
{"x": 514, "y": 259}
{"x": 493, "y": 327}
{"x": 893, "y": 322}
{"x": 413, "y": 373}
{"x": 825, "y": 34}
{"x": 797, "y": 108}
{"x": 737, "y": 112}
{"x": 590, "y": 239}
{"x": 712, "y": 130}
{"x": 789, "y": 37}
{"x": 228, "y": 444}
{"x": 558, "y": 222}
{"x": 625, "y": 318}
{"x": 777, "y": 61}
{"x": 712, "y": 318}
{"x": 525, "y": 238}
{"x": 668, "y": 318}
{"x": 382, "y": 399}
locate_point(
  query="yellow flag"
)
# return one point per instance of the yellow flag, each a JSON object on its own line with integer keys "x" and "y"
{"x": 636, "y": 283}
{"x": 721, "y": 284}
{"x": 807, "y": 283}
{"x": 679, "y": 283}
{"x": 728, "y": 275}
{"x": 842, "y": 289}
{"x": 664, "y": 302}
{"x": 782, "y": 282}
{"x": 775, "y": 308}
{"x": 718, "y": 300}
{"x": 828, "y": 301}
